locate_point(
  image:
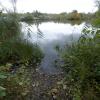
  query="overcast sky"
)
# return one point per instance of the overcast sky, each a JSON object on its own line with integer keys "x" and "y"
{"x": 53, "y": 6}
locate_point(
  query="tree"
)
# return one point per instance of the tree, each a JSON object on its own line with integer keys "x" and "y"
{"x": 98, "y": 4}
{"x": 74, "y": 15}
{"x": 14, "y": 4}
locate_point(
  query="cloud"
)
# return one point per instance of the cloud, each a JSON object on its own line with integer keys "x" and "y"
{"x": 53, "y": 6}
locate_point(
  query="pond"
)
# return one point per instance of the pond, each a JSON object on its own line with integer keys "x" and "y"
{"x": 48, "y": 35}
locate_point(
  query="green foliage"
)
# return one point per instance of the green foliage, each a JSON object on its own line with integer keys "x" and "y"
{"x": 2, "y": 76}
{"x": 18, "y": 58}
{"x": 18, "y": 50}
{"x": 27, "y": 17}
{"x": 98, "y": 4}
{"x": 2, "y": 89}
{"x": 96, "y": 20}
{"x": 61, "y": 17}
{"x": 82, "y": 66}
{"x": 16, "y": 84}
{"x": 74, "y": 15}
{"x": 9, "y": 27}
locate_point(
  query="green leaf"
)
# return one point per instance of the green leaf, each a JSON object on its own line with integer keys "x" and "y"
{"x": 2, "y": 88}
{"x": 2, "y": 76}
{"x": 2, "y": 93}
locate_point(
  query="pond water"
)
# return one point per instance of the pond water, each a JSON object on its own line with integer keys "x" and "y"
{"x": 49, "y": 34}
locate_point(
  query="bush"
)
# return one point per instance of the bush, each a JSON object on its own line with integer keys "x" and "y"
{"x": 27, "y": 18}
{"x": 82, "y": 66}
{"x": 18, "y": 50}
{"x": 17, "y": 57}
{"x": 9, "y": 27}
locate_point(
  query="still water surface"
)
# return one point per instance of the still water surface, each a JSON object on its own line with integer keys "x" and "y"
{"x": 49, "y": 34}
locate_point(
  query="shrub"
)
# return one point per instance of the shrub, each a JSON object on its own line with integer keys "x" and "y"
{"x": 82, "y": 66}
{"x": 17, "y": 57}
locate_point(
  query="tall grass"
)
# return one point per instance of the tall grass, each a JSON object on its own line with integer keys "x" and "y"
{"x": 15, "y": 51}
{"x": 82, "y": 66}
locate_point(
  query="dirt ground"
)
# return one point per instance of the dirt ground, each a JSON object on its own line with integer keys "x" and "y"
{"x": 48, "y": 87}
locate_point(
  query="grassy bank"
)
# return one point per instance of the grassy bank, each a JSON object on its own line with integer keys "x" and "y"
{"x": 18, "y": 59}
{"x": 82, "y": 64}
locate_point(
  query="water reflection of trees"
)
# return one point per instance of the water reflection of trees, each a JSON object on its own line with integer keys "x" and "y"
{"x": 74, "y": 22}
{"x": 38, "y": 22}
{"x": 30, "y": 29}
{"x": 39, "y": 32}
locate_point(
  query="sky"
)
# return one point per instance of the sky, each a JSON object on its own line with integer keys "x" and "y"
{"x": 52, "y": 6}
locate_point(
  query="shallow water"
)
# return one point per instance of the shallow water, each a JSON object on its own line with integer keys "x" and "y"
{"x": 49, "y": 34}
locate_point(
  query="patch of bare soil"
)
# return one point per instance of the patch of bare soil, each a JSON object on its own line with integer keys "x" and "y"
{"x": 48, "y": 87}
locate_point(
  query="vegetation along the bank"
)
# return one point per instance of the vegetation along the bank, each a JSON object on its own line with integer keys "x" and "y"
{"x": 82, "y": 63}
{"x": 64, "y": 16}
{"x": 18, "y": 58}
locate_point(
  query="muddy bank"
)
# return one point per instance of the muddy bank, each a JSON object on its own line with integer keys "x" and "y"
{"x": 48, "y": 87}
